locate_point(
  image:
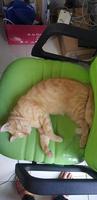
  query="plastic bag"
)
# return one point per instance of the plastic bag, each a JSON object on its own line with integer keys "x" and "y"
{"x": 19, "y": 12}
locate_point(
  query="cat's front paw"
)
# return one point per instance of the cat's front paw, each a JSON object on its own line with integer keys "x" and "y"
{"x": 58, "y": 139}
{"x": 13, "y": 138}
{"x": 48, "y": 152}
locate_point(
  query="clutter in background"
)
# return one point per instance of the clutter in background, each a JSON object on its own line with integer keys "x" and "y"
{"x": 19, "y": 12}
{"x": 48, "y": 11}
{"x": 83, "y": 12}
{"x": 79, "y": 15}
{"x": 26, "y": 12}
{"x": 34, "y": 14}
{"x": 86, "y": 14}
{"x": 40, "y": 13}
{"x": 0, "y": 9}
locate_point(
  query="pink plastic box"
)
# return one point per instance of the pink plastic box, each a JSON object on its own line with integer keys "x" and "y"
{"x": 23, "y": 34}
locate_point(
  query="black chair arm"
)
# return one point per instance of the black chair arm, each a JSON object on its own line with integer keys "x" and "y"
{"x": 87, "y": 38}
{"x": 42, "y": 186}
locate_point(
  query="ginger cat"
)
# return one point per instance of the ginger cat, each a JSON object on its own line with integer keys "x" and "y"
{"x": 52, "y": 96}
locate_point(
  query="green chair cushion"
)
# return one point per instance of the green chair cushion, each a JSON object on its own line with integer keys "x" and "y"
{"x": 21, "y": 75}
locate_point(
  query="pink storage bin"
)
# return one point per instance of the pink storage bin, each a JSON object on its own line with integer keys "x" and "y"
{"x": 23, "y": 34}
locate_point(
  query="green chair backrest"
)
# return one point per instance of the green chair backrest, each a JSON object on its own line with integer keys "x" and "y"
{"x": 91, "y": 148}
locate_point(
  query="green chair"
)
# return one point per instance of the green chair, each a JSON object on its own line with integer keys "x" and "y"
{"x": 18, "y": 77}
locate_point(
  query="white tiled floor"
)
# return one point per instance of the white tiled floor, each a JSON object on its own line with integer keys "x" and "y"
{"x": 7, "y": 166}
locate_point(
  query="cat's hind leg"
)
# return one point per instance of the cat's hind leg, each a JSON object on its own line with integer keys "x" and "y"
{"x": 48, "y": 130}
{"x": 44, "y": 142}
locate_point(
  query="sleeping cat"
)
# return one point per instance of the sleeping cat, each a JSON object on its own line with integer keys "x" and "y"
{"x": 52, "y": 96}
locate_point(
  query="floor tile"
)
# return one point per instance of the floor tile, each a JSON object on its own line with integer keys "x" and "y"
{"x": 7, "y": 168}
{"x": 92, "y": 197}
{"x": 8, "y": 192}
{"x": 78, "y": 197}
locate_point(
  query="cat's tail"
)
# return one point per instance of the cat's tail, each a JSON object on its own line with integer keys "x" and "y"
{"x": 89, "y": 108}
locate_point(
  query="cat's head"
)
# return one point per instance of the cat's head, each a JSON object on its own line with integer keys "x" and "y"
{"x": 17, "y": 128}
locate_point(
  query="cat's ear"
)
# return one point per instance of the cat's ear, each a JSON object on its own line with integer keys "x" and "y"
{"x": 5, "y": 127}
